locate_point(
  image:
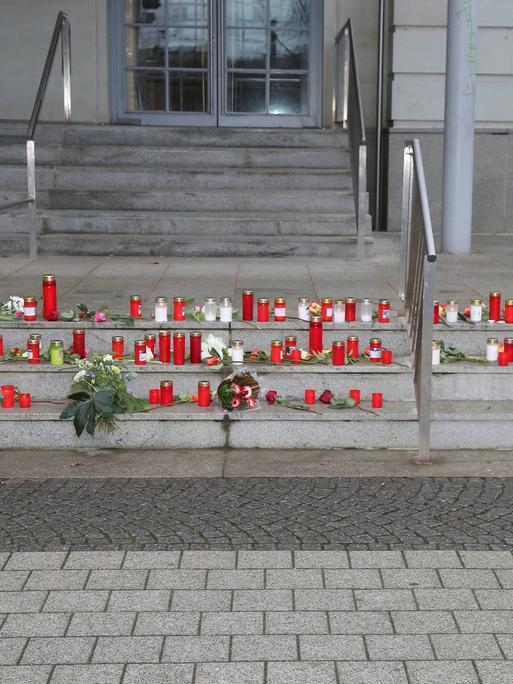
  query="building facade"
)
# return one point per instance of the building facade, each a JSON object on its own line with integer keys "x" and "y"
{"x": 269, "y": 63}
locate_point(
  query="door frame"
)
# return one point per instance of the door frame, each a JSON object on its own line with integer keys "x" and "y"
{"x": 217, "y": 117}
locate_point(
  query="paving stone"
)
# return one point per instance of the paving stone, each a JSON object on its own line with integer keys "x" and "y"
{"x": 264, "y": 559}
{"x": 35, "y": 624}
{"x": 94, "y": 560}
{"x": 424, "y": 622}
{"x": 117, "y": 579}
{"x": 48, "y": 560}
{"x": 260, "y": 647}
{"x": 494, "y": 599}
{"x": 233, "y": 623}
{"x": 505, "y": 578}
{"x": 195, "y": 649}
{"x": 101, "y": 624}
{"x": 505, "y": 642}
{"x": 55, "y": 650}
{"x": 28, "y": 674}
{"x": 432, "y": 559}
{"x": 151, "y": 559}
{"x": 398, "y": 579}
{"x": 201, "y": 600}
{"x": 331, "y": 647}
{"x": 294, "y": 579}
{"x": 57, "y": 579}
{"x": 11, "y": 650}
{"x": 22, "y": 601}
{"x": 236, "y": 579}
{"x": 301, "y": 673}
{"x": 434, "y": 673}
{"x": 465, "y": 647}
{"x": 384, "y": 599}
{"x": 177, "y": 579}
{"x": 353, "y": 579}
{"x": 128, "y": 649}
{"x": 167, "y": 623}
{"x": 273, "y": 599}
{"x": 480, "y": 559}
{"x": 159, "y": 674}
{"x": 321, "y": 559}
{"x": 372, "y": 673}
{"x": 360, "y": 622}
{"x": 445, "y": 599}
{"x": 495, "y": 672}
{"x": 75, "y": 601}
{"x": 208, "y": 559}
{"x": 482, "y": 621}
{"x": 230, "y": 673}
{"x": 87, "y": 674}
{"x": 13, "y": 580}
{"x": 139, "y": 601}
{"x": 307, "y": 622}
{"x": 399, "y": 647}
{"x": 473, "y": 579}
{"x": 323, "y": 599}
{"x": 376, "y": 559}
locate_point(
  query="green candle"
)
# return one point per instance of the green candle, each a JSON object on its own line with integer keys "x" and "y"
{"x": 57, "y": 352}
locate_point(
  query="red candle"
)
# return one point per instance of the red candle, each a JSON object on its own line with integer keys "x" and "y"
{"x": 34, "y": 349}
{"x": 203, "y": 393}
{"x": 24, "y": 400}
{"x": 195, "y": 344}
{"x": 290, "y": 345}
{"x": 248, "y": 301}
{"x": 78, "y": 346}
{"x": 7, "y": 392}
{"x": 508, "y": 348}
{"x": 327, "y": 310}
{"x": 276, "y": 351}
{"x": 140, "y": 353}
{"x": 315, "y": 342}
{"x": 375, "y": 350}
{"x": 436, "y": 313}
{"x": 377, "y": 400}
{"x": 386, "y": 357}
{"x": 295, "y": 356}
{"x": 350, "y": 309}
{"x": 29, "y": 308}
{"x": 355, "y": 394}
{"x": 179, "y": 309}
{"x": 165, "y": 346}
{"x": 263, "y": 311}
{"x": 384, "y": 311}
{"x": 49, "y": 297}
{"x": 150, "y": 343}
{"x": 166, "y": 392}
{"x": 503, "y": 358}
{"x": 135, "y": 306}
{"x": 179, "y": 349}
{"x": 508, "y": 311}
{"x": 1, "y": 345}
{"x": 118, "y": 347}
{"x": 154, "y": 396}
{"x": 309, "y": 396}
{"x": 338, "y": 353}
{"x": 280, "y": 310}
{"x": 353, "y": 351}
{"x": 494, "y": 308}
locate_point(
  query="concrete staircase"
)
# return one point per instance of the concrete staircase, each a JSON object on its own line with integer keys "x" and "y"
{"x": 127, "y": 190}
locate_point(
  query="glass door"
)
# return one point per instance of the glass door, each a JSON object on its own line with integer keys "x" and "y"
{"x": 219, "y": 62}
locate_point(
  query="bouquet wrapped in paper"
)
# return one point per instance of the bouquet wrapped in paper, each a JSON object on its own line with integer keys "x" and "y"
{"x": 239, "y": 391}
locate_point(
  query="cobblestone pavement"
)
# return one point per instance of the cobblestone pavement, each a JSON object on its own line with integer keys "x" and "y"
{"x": 255, "y": 617}
{"x": 258, "y": 513}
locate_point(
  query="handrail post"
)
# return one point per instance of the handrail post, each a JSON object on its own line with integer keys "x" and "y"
{"x": 426, "y": 360}
{"x": 66, "y": 66}
{"x": 31, "y": 192}
{"x": 345, "y": 96}
{"x": 405, "y": 215}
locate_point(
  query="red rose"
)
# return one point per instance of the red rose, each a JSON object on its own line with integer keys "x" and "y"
{"x": 271, "y": 396}
{"x": 326, "y": 397}
{"x": 53, "y": 316}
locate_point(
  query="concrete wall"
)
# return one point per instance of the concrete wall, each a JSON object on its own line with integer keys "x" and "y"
{"x": 25, "y": 31}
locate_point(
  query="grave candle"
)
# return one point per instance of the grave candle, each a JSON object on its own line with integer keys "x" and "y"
{"x": 49, "y": 296}
{"x": 315, "y": 337}
{"x": 166, "y": 392}
{"x": 248, "y": 299}
{"x": 494, "y": 309}
{"x": 136, "y": 306}
{"x": 29, "y": 308}
{"x": 195, "y": 345}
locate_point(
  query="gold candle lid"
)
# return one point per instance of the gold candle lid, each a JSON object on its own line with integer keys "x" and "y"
{"x": 452, "y": 301}
{"x": 166, "y": 383}
{"x": 179, "y": 300}
{"x": 160, "y": 300}
{"x": 508, "y": 340}
{"x": 118, "y": 338}
{"x": 291, "y": 338}
{"x": 276, "y": 343}
{"x": 29, "y": 300}
{"x": 492, "y": 340}
{"x": 35, "y": 337}
{"x": 384, "y": 301}
{"x": 436, "y": 344}
{"x": 375, "y": 340}
{"x": 164, "y": 333}
{"x": 436, "y": 303}
{"x": 352, "y": 338}
{"x": 149, "y": 338}
{"x": 195, "y": 334}
{"x": 303, "y": 300}
{"x": 350, "y": 300}
{"x": 248, "y": 292}
{"x": 140, "y": 343}
{"x": 237, "y": 344}
{"x": 210, "y": 300}
{"x": 366, "y": 301}
{"x": 226, "y": 301}
{"x": 279, "y": 300}
{"x": 338, "y": 302}
{"x": 338, "y": 343}
{"x": 79, "y": 332}
{"x": 495, "y": 294}
{"x": 57, "y": 343}
{"x": 509, "y": 302}
{"x": 315, "y": 319}
{"x": 263, "y": 300}
{"x": 327, "y": 300}
{"x": 135, "y": 298}
{"x": 49, "y": 278}
{"x": 179, "y": 334}
{"x": 476, "y": 302}
{"x": 203, "y": 383}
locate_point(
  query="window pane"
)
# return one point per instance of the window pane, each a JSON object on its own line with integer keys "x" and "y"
{"x": 145, "y": 91}
{"x": 145, "y": 46}
{"x": 188, "y": 47}
{"x": 187, "y": 13}
{"x": 246, "y": 13}
{"x": 246, "y": 49}
{"x": 246, "y": 93}
{"x": 289, "y": 94}
{"x": 285, "y": 13}
{"x": 188, "y": 91}
{"x": 289, "y": 50}
{"x": 145, "y": 11}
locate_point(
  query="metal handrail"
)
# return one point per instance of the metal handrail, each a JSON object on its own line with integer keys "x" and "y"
{"x": 62, "y": 30}
{"x": 348, "y": 111}
{"x": 417, "y": 284}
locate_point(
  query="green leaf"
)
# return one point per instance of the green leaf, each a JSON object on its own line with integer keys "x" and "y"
{"x": 68, "y": 315}
{"x": 70, "y": 410}
{"x": 342, "y": 403}
{"x": 80, "y": 396}
{"x": 82, "y": 416}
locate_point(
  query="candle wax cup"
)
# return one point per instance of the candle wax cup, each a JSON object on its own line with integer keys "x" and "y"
{"x": 309, "y": 396}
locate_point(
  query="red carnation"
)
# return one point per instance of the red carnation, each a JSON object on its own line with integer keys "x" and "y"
{"x": 326, "y": 397}
{"x": 271, "y": 396}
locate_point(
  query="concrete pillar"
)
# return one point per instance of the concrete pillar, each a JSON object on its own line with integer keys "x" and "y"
{"x": 460, "y": 92}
